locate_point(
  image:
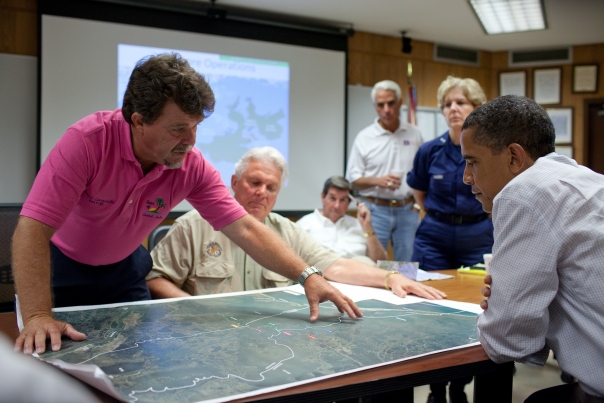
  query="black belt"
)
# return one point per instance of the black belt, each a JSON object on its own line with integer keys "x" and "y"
{"x": 457, "y": 218}
{"x": 389, "y": 202}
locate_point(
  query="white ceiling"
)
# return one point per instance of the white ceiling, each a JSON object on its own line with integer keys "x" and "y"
{"x": 570, "y": 22}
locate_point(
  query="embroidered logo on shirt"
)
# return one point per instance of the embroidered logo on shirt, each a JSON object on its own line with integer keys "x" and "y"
{"x": 214, "y": 249}
{"x": 153, "y": 207}
{"x": 437, "y": 176}
{"x": 98, "y": 201}
{"x": 406, "y": 142}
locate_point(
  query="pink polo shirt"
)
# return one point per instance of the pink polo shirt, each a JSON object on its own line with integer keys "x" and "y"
{"x": 92, "y": 189}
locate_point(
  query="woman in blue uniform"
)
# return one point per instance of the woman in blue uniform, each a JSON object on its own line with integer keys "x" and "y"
{"x": 455, "y": 230}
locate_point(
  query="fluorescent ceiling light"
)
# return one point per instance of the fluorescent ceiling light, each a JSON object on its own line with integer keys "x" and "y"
{"x": 504, "y": 16}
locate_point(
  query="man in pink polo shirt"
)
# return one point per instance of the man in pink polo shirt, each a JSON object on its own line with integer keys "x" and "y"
{"x": 108, "y": 182}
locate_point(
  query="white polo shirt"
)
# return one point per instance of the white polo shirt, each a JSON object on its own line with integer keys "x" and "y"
{"x": 345, "y": 237}
{"x": 378, "y": 152}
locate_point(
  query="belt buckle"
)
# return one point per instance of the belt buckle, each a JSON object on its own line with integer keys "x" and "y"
{"x": 393, "y": 202}
{"x": 457, "y": 219}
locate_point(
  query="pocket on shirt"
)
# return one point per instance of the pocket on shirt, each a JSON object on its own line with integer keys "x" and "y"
{"x": 215, "y": 277}
{"x": 274, "y": 279}
{"x": 442, "y": 183}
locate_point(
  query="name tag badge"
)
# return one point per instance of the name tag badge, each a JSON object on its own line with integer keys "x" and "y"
{"x": 438, "y": 177}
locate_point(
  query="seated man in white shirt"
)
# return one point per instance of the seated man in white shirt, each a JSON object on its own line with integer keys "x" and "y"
{"x": 332, "y": 228}
{"x": 193, "y": 259}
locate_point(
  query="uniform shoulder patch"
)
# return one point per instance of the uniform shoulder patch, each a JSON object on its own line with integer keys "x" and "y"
{"x": 214, "y": 249}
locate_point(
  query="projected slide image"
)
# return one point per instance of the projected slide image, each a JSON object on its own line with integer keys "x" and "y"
{"x": 252, "y": 102}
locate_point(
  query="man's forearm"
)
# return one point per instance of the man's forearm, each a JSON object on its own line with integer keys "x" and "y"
{"x": 31, "y": 267}
{"x": 350, "y": 271}
{"x": 265, "y": 247}
{"x": 375, "y": 249}
{"x": 164, "y": 288}
{"x": 364, "y": 183}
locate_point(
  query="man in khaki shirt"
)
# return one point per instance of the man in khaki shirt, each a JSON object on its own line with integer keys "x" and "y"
{"x": 193, "y": 259}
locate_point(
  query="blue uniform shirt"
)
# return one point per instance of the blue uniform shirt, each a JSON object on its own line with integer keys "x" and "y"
{"x": 438, "y": 170}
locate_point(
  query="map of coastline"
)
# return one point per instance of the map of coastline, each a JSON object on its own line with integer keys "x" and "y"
{"x": 213, "y": 349}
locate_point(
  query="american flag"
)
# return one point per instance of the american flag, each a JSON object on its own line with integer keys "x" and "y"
{"x": 411, "y": 97}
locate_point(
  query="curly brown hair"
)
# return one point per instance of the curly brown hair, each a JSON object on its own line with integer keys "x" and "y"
{"x": 158, "y": 79}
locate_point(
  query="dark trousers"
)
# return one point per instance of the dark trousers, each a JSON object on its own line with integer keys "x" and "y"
{"x": 456, "y": 388}
{"x": 75, "y": 283}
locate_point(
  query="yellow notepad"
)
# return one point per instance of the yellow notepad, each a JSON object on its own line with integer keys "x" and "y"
{"x": 478, "y": 268}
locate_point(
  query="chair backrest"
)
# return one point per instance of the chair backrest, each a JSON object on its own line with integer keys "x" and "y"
{"x": 157, "y": 235}
{"x": 9, "y": 215}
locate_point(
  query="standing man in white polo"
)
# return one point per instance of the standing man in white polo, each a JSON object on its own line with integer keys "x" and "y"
{"x": 381, "y": 156}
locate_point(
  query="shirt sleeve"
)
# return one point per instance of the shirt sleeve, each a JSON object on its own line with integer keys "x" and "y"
{"x": 525, "y": 282}
{"x": 61, "y": 181}
{"x": 212, "y": 199}
{"x": 356, "y": 163}
{"x": 310, "y": 251}
{"x": 419, "y": 178}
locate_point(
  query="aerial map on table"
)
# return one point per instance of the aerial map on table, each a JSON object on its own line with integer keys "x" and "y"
{"x": 219, "y": 348}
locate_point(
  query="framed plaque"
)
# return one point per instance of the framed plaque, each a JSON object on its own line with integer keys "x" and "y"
{"x": 512, "y": 83}
{"x": 562, "y": 118}
{"x": 585, "y": 78}
{"x": 547, "y": 86}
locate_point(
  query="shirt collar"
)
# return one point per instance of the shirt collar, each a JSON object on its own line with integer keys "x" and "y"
{"x": 126, "y": 149}
{"x": 379, "y": 130}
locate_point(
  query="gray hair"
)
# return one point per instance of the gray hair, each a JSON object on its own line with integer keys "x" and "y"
{"x": 470, "y": 88}
{"x": 386, "y": 85}
{"x": 338, "y": 182}
{"x": 263, "y": 154}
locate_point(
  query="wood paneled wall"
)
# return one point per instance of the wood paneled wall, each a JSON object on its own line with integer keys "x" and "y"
{"x": 371, "y": 58}
{"x": 18, "y": 27}
{"x": 376, "y": 57}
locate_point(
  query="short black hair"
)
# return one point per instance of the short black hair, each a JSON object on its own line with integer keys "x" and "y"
{"x": 338, "y": 182}
{"x": 158, "y": 79}
{"x": 512, "y": 119}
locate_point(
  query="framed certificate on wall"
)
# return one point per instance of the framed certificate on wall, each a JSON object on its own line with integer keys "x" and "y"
{"x": 547, "y": 86}
{"x": 562, "y": 118}
{"x": 585, "y": 78}
{"x": 512, "y": 83}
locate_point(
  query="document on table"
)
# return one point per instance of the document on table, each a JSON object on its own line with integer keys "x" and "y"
{"x": 423, "y": 275}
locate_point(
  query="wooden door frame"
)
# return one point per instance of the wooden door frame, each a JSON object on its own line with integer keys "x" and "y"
{"x": 586, "y": 104}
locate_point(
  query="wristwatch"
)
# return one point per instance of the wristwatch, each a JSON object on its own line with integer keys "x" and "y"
{"x": 307, "y": 273}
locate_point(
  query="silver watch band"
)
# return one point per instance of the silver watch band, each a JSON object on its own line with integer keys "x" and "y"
{"x": 307, "y": 273}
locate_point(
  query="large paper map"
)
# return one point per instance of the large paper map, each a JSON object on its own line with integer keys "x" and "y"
{"x": 217, "y": 348}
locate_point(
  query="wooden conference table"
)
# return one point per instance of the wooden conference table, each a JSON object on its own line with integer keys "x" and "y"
{"x": 492, "y": 382}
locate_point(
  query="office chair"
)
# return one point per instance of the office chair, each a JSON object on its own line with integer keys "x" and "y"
{"x": 157, "y": 235}
{"x": 9, "y": 215}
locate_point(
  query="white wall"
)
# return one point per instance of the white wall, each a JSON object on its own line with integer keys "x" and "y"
{"x": 18, "y": 126}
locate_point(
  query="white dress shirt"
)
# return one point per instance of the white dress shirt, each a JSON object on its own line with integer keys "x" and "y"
{"x": 548, "y": 271}
{"x": 345, "y": 237}
{"x": 378, "y": 152}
